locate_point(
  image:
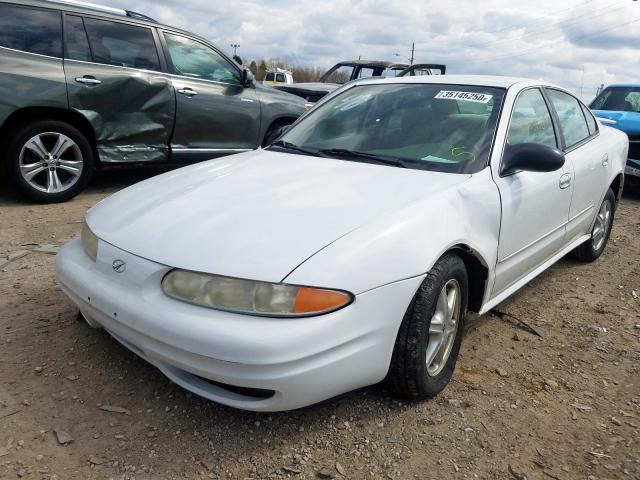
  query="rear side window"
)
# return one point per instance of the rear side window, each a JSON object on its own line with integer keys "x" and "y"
{"x": 591, "y": 122}
{"x": 76, "y": 42}
{"x": 32, "y": 30}
{"x": 269, "y": 77}
{"x": 572, "y": 121}
{"x": 122, "y": 45}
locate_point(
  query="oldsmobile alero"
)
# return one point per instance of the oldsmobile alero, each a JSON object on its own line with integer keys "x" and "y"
{"x": 349, "y": 251}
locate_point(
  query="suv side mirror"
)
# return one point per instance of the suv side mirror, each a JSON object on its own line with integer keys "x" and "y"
{"x": 531, "y": 157}
{"x": 237, "y": 59}
{"x": 247, "y": 78}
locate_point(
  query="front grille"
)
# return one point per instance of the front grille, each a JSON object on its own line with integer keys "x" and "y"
{"x": 255, "y": 393}
{"x": 634, "y": 149}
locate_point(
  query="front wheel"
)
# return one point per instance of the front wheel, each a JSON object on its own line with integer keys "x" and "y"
{"x": 49, "y": 161}
{"x": 430, "y": 335}
{"x": 593, "y": 248}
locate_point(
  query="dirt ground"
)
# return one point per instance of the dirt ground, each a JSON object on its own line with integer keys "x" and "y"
{"x": 565, "y": 406}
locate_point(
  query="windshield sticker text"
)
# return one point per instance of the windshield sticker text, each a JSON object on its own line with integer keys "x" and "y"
{"x": 468, "y": 96}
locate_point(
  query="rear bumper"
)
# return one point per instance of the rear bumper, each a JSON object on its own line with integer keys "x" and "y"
{"x": 282, "y": 363}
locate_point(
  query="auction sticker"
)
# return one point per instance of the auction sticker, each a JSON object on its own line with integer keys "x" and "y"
{"x": 468, "y": 96}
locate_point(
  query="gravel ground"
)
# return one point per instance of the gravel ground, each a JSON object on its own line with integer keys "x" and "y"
{"x": 74, "y": 404}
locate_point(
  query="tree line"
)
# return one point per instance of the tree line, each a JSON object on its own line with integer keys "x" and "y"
{"x": 300, "y": 74}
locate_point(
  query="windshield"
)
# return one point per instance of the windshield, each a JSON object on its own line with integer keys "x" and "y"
{"x": 439, "y": 127}
{"x": 621, "y": 99}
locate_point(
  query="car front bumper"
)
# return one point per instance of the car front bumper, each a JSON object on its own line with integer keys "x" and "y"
{"x": 253, "y": 363}
{"x": 632, "y": 167}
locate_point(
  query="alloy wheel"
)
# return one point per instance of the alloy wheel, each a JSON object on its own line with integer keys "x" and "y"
{"x": 443, "y": 327}
{"x": 50, "y": 162}
{"x": 601, "y": 227}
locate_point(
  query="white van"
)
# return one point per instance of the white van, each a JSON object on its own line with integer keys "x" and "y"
{"x": 278, "y": 76}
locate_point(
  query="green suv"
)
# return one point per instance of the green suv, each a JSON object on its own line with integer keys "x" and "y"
{"x": 84, "y": 86}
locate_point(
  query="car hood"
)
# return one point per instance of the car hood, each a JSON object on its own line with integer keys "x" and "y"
{"x": 628, "y": 122}
{"x": 311, "y": 87}
{"x": 256, "y": 215}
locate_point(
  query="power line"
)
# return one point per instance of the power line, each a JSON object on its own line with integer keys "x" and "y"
{"x": 561, "y": 23}
{"x": 523, "y": 52}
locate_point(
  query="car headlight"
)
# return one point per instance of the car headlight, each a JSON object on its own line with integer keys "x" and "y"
{"x": 89, "y": 241}
{"x": 252, "y": 297}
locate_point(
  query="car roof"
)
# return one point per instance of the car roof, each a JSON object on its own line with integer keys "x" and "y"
{"x": 479, "y": 80}
{"x": 624, "y": 85}
{"x": 98, "y": 10}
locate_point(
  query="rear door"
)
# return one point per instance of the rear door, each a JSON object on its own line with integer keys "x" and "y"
{"x": 535, "y": 205}
{"x": 215, "y": 113}
{"x": 113, "y": 78}
{"x": 586, "y": 156}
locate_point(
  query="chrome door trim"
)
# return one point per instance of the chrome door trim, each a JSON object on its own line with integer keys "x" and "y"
{"x": 210, "y": 150}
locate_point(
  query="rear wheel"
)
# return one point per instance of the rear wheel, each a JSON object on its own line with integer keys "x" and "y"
{"x": 430, "y": 335}
{"x": 49, "y": 161}
{"x": 593, "y": 248}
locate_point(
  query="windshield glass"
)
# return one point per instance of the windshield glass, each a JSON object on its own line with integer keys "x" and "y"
{"x": 440, "y": 127}
{"x": 621, "y": 99}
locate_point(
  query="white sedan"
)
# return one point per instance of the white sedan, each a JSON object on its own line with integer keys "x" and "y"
{"x": 349, "y": 251}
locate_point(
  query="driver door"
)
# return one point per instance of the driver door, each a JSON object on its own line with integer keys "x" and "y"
{"x": 535, "y": 205}
{"x": 215, "y": 114}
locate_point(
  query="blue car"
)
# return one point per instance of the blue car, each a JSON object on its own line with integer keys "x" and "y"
{"x": 620, "y": 105}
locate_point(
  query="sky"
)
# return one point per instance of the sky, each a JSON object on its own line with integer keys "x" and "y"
{"x": 578, "y": 44}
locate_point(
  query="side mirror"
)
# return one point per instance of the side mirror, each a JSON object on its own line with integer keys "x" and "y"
{"x": 247, "y": 78}
{"x": 531, "y": 157}
{"x": 276, "y": 134}
{"x": 238, "y": 59}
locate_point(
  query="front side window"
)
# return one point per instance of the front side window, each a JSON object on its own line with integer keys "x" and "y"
{"x": 340, "y": 75}
{"x": 280, "y": 77}
{"x": 122, "y": 45}
{"x": 572, "y": 122}
{"x": 421, "y": 126}
{"x": 621, "y": 99}
{"x": 531, "y": 121}
{"x": 76, "y": 41}
{"x": 194, "y": 59}
{"x": 32, "y": 30}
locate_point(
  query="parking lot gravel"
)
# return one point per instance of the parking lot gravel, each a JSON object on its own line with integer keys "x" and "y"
{"x": 74, "y": 404}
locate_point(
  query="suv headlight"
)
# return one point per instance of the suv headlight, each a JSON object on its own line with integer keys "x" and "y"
{"x": 89, "y": 241}
{"x": 252, "y": 297}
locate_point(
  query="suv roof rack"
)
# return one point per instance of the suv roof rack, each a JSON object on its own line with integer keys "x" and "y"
{"x": 140, "y": 16}
{"x": 103, "y": 8}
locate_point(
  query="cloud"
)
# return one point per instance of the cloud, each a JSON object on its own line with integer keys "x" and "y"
{"x": 578, "y": 45}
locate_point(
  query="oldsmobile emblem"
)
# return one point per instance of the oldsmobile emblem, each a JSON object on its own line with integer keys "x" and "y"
{"x": 119, "y": 266}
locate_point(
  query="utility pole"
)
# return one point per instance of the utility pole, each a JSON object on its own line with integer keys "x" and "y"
{"x": 235, "y": 47}
{"x": 413, "y": 47}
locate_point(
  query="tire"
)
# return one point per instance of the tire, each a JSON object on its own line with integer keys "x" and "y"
{"x": 60, "y": 173}
{"x": 410, "y": 373}
{"x": 590, "y": 250}
{"x": 273, "y": 133}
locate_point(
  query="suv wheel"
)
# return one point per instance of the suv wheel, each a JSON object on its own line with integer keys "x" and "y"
{"x": 49, "y": 161}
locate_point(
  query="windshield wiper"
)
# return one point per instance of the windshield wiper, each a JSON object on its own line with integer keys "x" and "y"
{"x": 372, "y": 157}
{"x": 295, "y": 148}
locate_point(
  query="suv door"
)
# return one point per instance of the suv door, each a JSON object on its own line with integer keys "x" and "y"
{"x": 587, "y": 157}
{"x": 535, "y": 205}
{"x": 113, "y": 79}
{"x": 215, "y": 113}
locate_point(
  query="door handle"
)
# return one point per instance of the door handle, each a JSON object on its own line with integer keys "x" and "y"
{"x": 88, "y": 80}
{"x": 565, "y": 181}
{"x": 605, "y": 160}
{"x": 187, "y": 91}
